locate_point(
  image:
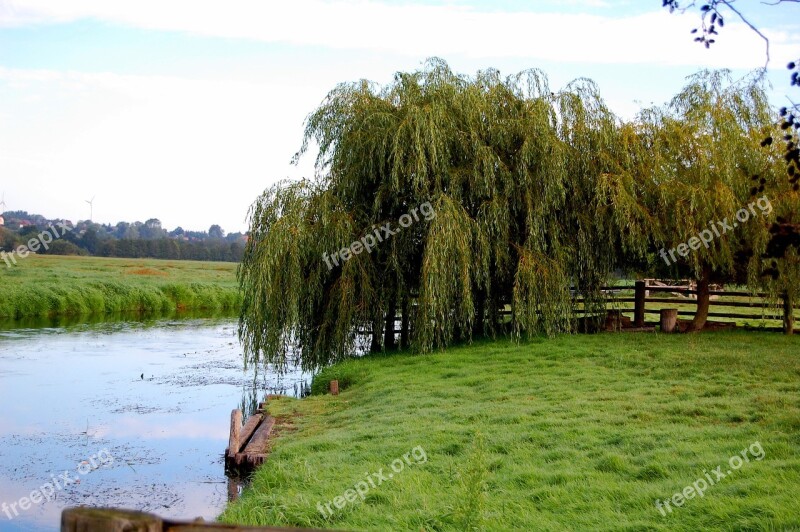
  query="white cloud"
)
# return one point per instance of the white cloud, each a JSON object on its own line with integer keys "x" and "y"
{"x": 416, "y": 29}
{"x": 189, "y": 152}
{"x": 196, "y": 152}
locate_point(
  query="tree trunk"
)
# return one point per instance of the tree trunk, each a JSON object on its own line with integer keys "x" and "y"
{"x": 788, "y": 313}
{"x": 703, "y": 301}
{"x": 377, "y": 330}
{"x": 405, "y": 323}
{"x": 457, "y": 336}
{"x": 479, "y": 326}
{"x": 389, "y": 343}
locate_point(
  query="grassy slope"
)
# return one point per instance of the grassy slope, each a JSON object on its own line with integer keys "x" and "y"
{"x": 42, "y": 285}
{"x": 578, "y": 432}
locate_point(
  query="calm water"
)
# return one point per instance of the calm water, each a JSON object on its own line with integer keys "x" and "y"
{"x": 72, "y": 399}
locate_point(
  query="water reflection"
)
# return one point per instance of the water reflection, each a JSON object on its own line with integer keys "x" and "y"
{"x": 157, "y": 394}
{"x": 254, "y": 395}
{"x": 151, "y": 318}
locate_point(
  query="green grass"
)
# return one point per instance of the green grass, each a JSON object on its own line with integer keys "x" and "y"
{"x": 574, "y": 433}
{"x": 47, "y": 286}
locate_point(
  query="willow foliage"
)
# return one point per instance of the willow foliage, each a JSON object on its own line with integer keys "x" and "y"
{"x": 534, "y": 192}
{"x": 707, "y": 166}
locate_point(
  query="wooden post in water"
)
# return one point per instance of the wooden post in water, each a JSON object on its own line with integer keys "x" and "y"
{"x": 669, "y": 319}
{"x": 334, "y": 387}
{"x": 236, "y": 431}
{"x": 638, "y": 306}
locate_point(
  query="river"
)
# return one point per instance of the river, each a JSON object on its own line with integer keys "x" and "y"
{"x": 128, "y": 414}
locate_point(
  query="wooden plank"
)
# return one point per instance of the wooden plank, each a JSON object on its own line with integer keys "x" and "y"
{"x": 679, "y": 290}
{"x": 735, "y": 294}
{"x": 713, "y": 302}
{"x": 183, "y": 526}
{"x": 674, "y": 289}
{"x": 84, "y": 519}
{"x": 258, "y": 443}
{"x": 195, "y": 527}
{"x": 108, "y": 520}
{"x": 248, "y": 430}
{"x": 691, "y": 313}
{"x": 234, "y": 441}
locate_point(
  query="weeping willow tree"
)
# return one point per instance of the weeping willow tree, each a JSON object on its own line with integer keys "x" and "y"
{"x": 700, "y": 166}
{"x": 779, "y": 253}
{"x": 515, "y": 174}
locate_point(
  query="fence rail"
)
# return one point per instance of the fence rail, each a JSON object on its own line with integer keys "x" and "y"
{"x": 641, "y": 289}
{"x": 783, "y": 311}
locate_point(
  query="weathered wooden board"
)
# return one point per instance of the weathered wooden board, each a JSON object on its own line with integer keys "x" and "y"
{"x": 115, "y": 520}
{"x": 258, "y": 443}
{"x": 253, "y": 442}
{"x": 248, "y": 430}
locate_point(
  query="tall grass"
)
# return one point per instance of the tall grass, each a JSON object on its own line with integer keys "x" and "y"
{"x": 575, "y": 433}
{"x": 48, "y": 286}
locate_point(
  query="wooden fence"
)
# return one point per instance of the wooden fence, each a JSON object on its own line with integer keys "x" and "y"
{"x": 758, "y": 308}
{"x": 758, "y": 305}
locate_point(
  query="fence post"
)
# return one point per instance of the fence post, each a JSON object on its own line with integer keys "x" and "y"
{"x": 788, "y": 313}
{"x": 638, "y": 310}
{"x": 334, "y": 387}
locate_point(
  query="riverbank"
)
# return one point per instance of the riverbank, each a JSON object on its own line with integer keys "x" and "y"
{"x": 576, "y": 432}
{"x": 52, "y": 286}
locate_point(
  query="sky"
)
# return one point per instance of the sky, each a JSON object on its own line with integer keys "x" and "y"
{"x": 187, "y": 110}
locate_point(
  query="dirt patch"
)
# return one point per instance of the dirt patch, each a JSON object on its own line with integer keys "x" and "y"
{"x": 284, "y": 424}
{"x": 710, "y": 326}
{"x": 146, "y": 271}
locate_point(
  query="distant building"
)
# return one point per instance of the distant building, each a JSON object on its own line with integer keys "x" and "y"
{"x": 2, "y": 221}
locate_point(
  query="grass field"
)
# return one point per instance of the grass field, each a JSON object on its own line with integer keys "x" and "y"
{"x": 579, "y": 432}
{"x": 46, "y": 286}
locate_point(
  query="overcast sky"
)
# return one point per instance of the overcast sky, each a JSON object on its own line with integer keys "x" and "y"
{"x": 186, "y": 110}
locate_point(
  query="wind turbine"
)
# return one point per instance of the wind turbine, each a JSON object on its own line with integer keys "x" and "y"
{"x": 3, "y": 203}
{"x": 91, "y": 207}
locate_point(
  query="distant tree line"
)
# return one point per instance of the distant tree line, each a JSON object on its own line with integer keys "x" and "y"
{"x": 127, "y": 240}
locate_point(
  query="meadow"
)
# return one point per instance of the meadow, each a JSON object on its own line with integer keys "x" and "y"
{"x": 40, "y": 286}
{"x": 577, "y": 432}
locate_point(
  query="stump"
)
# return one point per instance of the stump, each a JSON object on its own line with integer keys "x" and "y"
{"x": 334, "y": 387}
{"x": 669, "y": 319}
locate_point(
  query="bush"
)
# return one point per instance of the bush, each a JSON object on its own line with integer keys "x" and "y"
{"x": 62, "y": 247}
